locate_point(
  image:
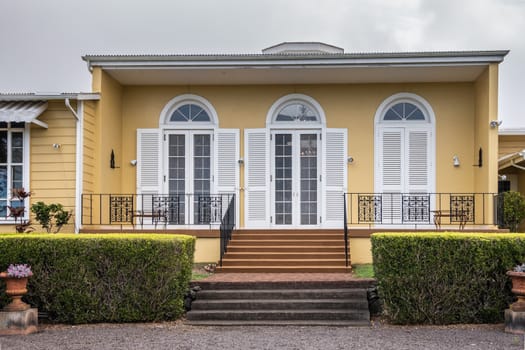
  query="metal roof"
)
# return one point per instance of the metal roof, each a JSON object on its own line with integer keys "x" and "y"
{"x": 48, "y": 96}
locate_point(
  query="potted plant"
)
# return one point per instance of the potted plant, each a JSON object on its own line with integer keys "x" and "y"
{"x": 16, "y": 278}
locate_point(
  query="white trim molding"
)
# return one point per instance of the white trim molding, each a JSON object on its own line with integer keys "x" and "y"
{"x": 180, "y": 100}
{"x": 288, "y": 100}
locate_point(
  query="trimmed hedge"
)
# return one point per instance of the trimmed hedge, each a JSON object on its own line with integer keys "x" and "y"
{"x": 102, "y": 278}
{"x": 445, "y": 278}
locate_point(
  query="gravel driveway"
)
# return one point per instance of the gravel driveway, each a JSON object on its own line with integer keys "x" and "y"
{"x": 176, "y": 335}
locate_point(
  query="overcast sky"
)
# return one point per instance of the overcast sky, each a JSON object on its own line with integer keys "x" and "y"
{"x": 42, "y": 41}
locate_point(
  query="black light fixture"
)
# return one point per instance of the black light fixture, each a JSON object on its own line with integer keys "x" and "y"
{"x": 112, "y": 160}
{"x": 480, "y": 158}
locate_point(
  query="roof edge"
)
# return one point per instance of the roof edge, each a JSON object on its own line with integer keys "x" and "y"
{"x": 32, "y": 96}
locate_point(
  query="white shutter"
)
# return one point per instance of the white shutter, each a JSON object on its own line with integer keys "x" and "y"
{"x": 149, "y": 161}
{"x": 226, "y": 144}
{"x": 256, "y": 178}
{"x": 418, "y": 161}
{"x": 391, "y": 164}
{"x": 334, "y": 176}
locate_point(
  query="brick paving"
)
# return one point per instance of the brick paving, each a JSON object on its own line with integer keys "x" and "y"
{"x": 282, "y": 277}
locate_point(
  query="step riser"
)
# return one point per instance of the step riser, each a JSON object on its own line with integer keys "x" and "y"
{"x": 277, "y": 315}
{"x": 352, "y": 285}
{"x": 287, "y": 305}
{"x": 281, "y": 294}
{"x": 238, "y": 237}
{"x": 281, "y": 249}
{"x": 299, "y": 232}
{"x": 282, "y": 263}
{"x": 254, "y": 269}
{"x": 309, "y": 243}
{"x": 252, "y": 255}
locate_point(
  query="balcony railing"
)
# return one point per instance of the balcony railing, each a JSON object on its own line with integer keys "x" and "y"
{"x": 419, "y": 209}
{"x": 154, "y": 210}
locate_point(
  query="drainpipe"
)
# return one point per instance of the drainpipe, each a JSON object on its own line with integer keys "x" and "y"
{"x": 79, "y": 156}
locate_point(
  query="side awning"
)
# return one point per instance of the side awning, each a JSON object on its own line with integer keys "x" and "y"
{"x": 516, "y": 160}
{"x": 23, "y": 111}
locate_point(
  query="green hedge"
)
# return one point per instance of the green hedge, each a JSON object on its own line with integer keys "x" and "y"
{"x": 102, "y": 278}
{"x": 445, "y": 278}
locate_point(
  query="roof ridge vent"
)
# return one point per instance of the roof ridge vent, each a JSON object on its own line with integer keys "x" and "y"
{"x": 301, "y": 48}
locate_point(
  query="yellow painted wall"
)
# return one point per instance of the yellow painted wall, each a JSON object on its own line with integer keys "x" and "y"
{"x": 361, "y": 251}
{"x": 508, "y": 144}
{"x": 345, "y": 106}
{"x": 52, "y": 171}
{"x": 207, "y": 250}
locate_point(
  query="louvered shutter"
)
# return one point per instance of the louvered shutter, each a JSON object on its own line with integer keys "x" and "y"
{"x": 256, "y": 178}
{"x": 149, "y": 162}
{"x": 334, "y": 180}
{"x": 226, "y": 166}
{"x": 418, "y": 161}
{"x": 391, "y": 165}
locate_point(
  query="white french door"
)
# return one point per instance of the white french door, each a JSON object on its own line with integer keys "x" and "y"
{"x": 189, "y": 170}
{"x": 295, "y": 178}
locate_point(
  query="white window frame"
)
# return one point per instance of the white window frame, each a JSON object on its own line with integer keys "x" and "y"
{"x": 428, "y": 124}
{"x": 181, "y": 100}
{"x": 25, "y": 171}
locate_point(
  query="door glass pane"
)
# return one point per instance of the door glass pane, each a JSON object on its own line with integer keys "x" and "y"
{"x": 283, "y": 179}
{"x": 17, "y": 177}
{"x": 177, "y": 174}
{"x": 17, "y": 147}
{"x": 308, "y": 183}
{"x": 201, "y": 178}
{"x": 3, "y": 146}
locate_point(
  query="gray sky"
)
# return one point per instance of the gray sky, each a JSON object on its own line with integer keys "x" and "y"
{"x": 42, "y": 40}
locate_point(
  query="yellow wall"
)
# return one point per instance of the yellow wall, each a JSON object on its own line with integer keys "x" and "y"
{"x": 508, "y": 144}
{"x": 345, "y": 106}
{"x": 360, "y": 251}
{"x": 52, "y": 171}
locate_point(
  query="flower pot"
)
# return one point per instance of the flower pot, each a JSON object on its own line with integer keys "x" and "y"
{"x": 518, "y": 288}
{"x": 15, "y": 288}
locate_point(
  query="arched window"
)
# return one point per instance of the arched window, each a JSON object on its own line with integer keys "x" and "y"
{"x": 404, "y": 111}
{"x": 190, "y": 112}
{"x": 297, "y": 112}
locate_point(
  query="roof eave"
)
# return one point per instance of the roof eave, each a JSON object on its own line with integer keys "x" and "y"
{"x": 88, "y": 96}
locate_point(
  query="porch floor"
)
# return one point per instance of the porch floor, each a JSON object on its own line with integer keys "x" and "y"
{"x": 282, "y": 277}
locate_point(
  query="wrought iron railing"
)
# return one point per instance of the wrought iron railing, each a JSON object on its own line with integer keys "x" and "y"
{"x": 345, "y": 231}
{"x": 438, "y": 209}
{"x": 227, "y": 226}
{"x": 152, "y": 210}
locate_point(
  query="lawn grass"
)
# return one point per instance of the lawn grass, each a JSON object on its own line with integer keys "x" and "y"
{"x": 363, "y": 270}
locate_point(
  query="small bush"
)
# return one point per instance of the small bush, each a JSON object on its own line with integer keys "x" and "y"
{"x": 103, "y": 278}
{"x": 49, "y": 215}
{"x": 513, "y": 210}
{"x": 445, "y": 278}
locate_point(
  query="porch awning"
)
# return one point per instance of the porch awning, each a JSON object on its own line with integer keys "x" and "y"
{"x": 516, "y": 160}
{"x": 23, "y": 111}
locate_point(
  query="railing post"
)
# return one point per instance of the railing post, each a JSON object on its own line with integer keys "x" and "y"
{"x": 345, "y": 229}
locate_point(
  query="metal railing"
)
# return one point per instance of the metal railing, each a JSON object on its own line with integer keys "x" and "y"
{"x": 152, "y": 210}
{"x": 346, "y": 232}
{"x": 437, "y": 209}
{"x": 227, "y": 226}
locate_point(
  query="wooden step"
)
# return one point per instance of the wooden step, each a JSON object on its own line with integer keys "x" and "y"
{"x": 319, "y": 242}
{"x": 283, "y": 262}
{"x": 283, "y": 269}
{"x": 288, "y": 249}
{"x": 286, "y": 236}
{"x": 284, "y": 255}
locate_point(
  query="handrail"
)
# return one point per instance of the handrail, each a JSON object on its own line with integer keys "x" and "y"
{"x": 226, "y": 228}
{"x": 345, "y": 230}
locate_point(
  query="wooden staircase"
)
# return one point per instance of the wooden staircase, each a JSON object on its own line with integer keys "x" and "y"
{"x": 292, "y": 251}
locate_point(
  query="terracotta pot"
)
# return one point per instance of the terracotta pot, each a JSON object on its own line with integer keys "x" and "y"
{"x": 518, "y": 288}
{"x": 15, "y": 288}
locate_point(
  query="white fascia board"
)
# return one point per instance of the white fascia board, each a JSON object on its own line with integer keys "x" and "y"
{"x": 49, "y": 97}
{"x": 289, "y": 61}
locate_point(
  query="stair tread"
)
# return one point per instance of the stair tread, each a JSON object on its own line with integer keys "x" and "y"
{"x": 340, "y": 323}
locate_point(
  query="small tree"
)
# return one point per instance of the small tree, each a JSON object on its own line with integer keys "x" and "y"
{"x": 513, "y": 210}
{"x": 50, "y": 215}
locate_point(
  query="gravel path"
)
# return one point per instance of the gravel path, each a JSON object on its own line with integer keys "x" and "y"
{"x": 176, "y": 335}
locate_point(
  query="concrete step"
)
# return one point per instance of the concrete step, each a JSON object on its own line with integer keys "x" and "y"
{"x": 227, "y": 262}
{"x": 286, "y": 304}
{"x": 281, "y": 315}
{"x": 331, "y": 323}
{"x": 354, "y": 284}
{"x": 265, "y": 294}
{"x": 283, "y": 269}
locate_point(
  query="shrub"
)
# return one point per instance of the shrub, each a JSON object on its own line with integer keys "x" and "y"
{"x": 103, "y": 278}
{"x": 49, "y": 215}
{"x": 445, "y": 278}
{"x": 513, "y": 210}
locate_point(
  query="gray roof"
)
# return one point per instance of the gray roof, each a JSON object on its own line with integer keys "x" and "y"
{"x": 48, "y": 96}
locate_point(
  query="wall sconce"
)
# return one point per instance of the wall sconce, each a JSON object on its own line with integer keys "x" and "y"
{"x": 495, "y": 123}
{"x": 455, "y": 160}
{"x": 57, "y": 146}
{"x": 133, "y": 162}
{"x": 241, "y": 161}
{"x": 502, "y": 177}
{"x": 350, "y": 160}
